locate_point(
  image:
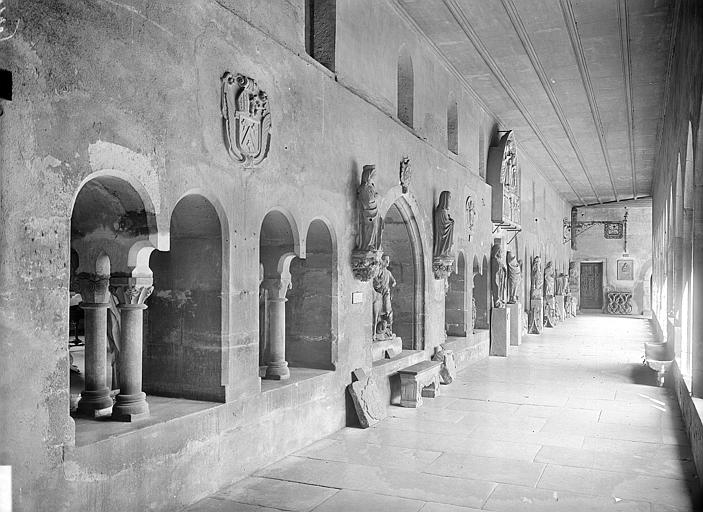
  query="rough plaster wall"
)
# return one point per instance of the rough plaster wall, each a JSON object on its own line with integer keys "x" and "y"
{"x": 323, "y": 17}
{"x": 134, "y": 88}
{"x": 591, "y": 245}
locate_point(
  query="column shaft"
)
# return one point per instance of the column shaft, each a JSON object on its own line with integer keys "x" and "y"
{"x": 277, "y": 368}
{"x": 131, "y": 402}
{"x": 95, "y": 400}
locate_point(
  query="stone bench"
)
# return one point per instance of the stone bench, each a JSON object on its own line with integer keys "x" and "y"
{"x": 418, "y": 380}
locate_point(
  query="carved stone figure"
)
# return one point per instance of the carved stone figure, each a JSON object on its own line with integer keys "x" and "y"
{"x": 406, "y": 173}
{"x": 447, "y": 373}
{"x": 549, "y": 280}
{"x": 245, "y": 109}
{"x": 514, "y": 277}
{"x": 443, "y": 226}
{"x": 369, "y": 237}
{"x": 498, "y": 277}
{"x": 382, "y": 308}
{"x": 473, "y": 314}
{"x": 561, "y": 283}
{"x": 574, "y": 287}
{"x": 470, "y": 217}
{"x": 537, "y": 278}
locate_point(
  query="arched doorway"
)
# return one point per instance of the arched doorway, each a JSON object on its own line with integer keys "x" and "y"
{"x": 402, "y": 243}
{"x": 456, "y": 313}
{"x": 310, "y": 329}
{"x": 183, "y": 341}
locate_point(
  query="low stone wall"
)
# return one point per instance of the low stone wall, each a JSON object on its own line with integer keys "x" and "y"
{"x": 691, "y": 409}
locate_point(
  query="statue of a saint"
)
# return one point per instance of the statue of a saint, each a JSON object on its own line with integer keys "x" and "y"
{"x": 382, "y": 309}
{"x": 369, "y": 237}
{"x": 549, "y": 280}
{"x": 537, "y": 278}
{"x": 514, "y": 277}
{"x": 561, "y": 283}
{"x": 443, "y": 226}
{"x": 499, "y": 277}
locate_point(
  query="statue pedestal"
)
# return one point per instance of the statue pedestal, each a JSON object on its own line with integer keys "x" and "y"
{"x": 386, "y": 348}
{"x": 500, "y": 332}
{"x": 550, "y": 313}
{"x": 536, "y": 316}
{"x": 515, "y": 324}
{"x": 561, "y": 311}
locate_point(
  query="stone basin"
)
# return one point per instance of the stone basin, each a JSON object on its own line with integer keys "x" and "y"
{"x": 658, "y": 356}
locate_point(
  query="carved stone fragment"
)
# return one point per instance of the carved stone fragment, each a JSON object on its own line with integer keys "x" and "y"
{"x": 367, "y": 403}
{"x": 447, "y": 372}
{"x": 406, "y": 174}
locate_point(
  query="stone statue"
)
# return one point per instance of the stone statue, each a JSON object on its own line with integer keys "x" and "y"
{"x": 443, "y": 227}
{"x": 470, "y": 217}
{"x": 406, "y": 174}
{"x": 537, "y": 278}
{"x": 549, "y": 280}
{"x": 514, "y": 277}
{"x": 561, "y": 283}
{"x": 498, "y": 277}
{"x": 382, "y": 309}
{"x": 369, "y": 238}
{"x": 574, "y": 289}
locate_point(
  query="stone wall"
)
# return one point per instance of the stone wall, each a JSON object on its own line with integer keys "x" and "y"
{"x": 131, "y": 91}
{"x": 591, "y": 245}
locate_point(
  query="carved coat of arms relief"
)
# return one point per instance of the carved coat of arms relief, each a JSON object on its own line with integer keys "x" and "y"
{"x": 247, "y": 118}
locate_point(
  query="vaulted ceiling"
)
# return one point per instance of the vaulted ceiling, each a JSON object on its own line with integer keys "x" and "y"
{"x": 582, "y": 82}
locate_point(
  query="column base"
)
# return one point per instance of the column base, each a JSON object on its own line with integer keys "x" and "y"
{"x": 277, "y": 371}
{"x": 95, "y": 403}
{"x": 130, "y": 407}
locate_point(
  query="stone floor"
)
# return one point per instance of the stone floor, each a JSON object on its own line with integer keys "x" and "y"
{"x": 570, "y": 421}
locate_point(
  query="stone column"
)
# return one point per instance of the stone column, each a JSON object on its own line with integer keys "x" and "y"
{"x": 277, "y": 287}
{"x": 95, "y": 399}
{"x": 131, "y": 404}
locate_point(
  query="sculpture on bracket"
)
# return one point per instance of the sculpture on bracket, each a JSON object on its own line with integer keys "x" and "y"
{"x": 550, "y": 313}
{"x": 470, "y": 210}
{"x": 514, "y": 277}
{"x": 366, "y": 257}
{"x": 383, "y": 283}
{"x": 406, "y": 174}
{"x": 536, "y": 321}
{"x": 443, "y": 261}
{"x": 499, "y": 276}
{"x": 245, "y": 109}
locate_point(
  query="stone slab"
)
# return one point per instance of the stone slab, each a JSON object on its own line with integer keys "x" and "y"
{"x": 386, "y": 349}
{"x": 420, "y": 368}
{"x": 500, "y": 332}
{"x": 367, "y": 403}
{"x": 515, "y": 324}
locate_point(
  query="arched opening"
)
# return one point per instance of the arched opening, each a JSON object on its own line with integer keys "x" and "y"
{"x": 321, "y": 31}
{"x": 687, "y": 237}
{"x": 276, "y": 251}
{"x": 480, "y": 293}
{"x": 456, "y": 311}
{"x": 183, "y": 341}
{"x": 406, "y": 88}
{"x": 452, "y": 126}
{"x": 108, "y": 218}
{"x": 309, "y": 309}
{"x": 402, "y": 244}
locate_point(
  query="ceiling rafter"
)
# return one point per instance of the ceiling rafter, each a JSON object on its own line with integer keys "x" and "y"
{"x": 572, "y": 29}
{"x": 623, "y": 22}
{"x": 529, "y": 48}
{"x": 471, "y": 34}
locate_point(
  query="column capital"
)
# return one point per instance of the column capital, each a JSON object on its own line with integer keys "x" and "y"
{"x": 277, "y": 287}
{"x": 132, "y": 291}
{"x": 94, "y": 288}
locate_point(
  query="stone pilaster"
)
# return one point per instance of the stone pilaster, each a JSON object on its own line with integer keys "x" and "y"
{"x": 131, "y": 404}
{"x": 95, "y": 400}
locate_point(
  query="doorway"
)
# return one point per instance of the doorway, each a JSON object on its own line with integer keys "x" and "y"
{"x": 592, "y": 285}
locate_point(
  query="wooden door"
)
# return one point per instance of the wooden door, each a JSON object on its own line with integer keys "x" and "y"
{"x": 592, "y": 285}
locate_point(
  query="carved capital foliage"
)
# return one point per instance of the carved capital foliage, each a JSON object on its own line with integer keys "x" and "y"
{"x": 130, "y": 294}
{"x": 442, "y": 266}
{"x": 94, "y": 288}
{"x": 366, "y": 264}
{"x": 247, "y": 119}
{"x": 277, "y": 287}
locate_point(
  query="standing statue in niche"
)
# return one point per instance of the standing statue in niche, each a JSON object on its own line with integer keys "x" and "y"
{"x": 369, "y": 237}
{"x": 550, "y": 313}
{"x": 537, "y": 278}
{"x": 382, "y": 308}
{"x": 549, "y": 280}
{"x": 574, "y": 288}
{"x": 443, "y": 261}
{"x": 498, "y": 277}
{"x": 561, "y": 282}
{"x": 514, "y": 277}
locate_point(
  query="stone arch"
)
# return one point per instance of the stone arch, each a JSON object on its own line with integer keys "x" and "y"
{"x": 452, "y": 125}
{"x": 311, "y": 309}
{"x": 187, "y": 317}
{"x": 298, "y": 247}
{"x": 400, "y": 215}
{"x": 406, "y": 88}
{"x": 456, "y": 308}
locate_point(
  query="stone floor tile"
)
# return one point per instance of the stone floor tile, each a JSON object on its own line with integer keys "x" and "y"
{"x": 355, "y": 501}
{"x": 580, "y": 480}
{"x": 486, "y": 468}
{"x": 445, "y": 415}
{"x": 391, "y": 482}
{"x": 219, "y": 505}
{"x": 462, "y": 404}
{"x": 276, "y": 494}
{"x": 541, "y": 438}
{"x": 566, "y": 413}
{"x": 443, "y": 507}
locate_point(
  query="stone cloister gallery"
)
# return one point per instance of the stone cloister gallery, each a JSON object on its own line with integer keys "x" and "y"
{"x": 234, "y": 228}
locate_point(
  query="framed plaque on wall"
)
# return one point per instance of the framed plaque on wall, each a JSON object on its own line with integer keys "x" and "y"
{"x": 626, "y": 271}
